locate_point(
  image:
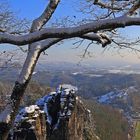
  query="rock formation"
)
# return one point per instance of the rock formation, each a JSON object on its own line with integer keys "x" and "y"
{"x": 61, "y": 115}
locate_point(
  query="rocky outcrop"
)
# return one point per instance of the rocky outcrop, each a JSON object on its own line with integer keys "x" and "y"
{"x": 61, "y": 115}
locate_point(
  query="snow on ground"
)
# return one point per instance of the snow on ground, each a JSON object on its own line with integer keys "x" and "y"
{"x": 76, "y": 73}
{"x": 123, "y": 71}
{"x": 109, "y": 97}
{"x": 95, "y": 75}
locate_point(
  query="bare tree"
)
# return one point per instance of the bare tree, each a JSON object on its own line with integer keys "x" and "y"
{"x": 115, "y": 14}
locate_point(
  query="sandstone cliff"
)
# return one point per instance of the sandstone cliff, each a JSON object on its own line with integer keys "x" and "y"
{"x": 61, "y": 115}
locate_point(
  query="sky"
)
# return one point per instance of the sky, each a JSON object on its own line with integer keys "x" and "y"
{"x": 31, "y": 9}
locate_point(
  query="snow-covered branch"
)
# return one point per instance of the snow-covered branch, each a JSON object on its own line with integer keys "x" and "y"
{"x": 48, "y": 43}
{"x": 119, "y": 22}
{"x": 99, "y": 37}
{"x": 45, "y": 16}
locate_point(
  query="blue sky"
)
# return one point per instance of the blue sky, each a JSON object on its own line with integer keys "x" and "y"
{"x": 31, "y": 9}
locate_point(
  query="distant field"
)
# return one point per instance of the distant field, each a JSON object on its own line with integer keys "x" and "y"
{"x": 137, "y": 131}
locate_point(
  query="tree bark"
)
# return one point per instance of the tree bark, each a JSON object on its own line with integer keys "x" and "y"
{"x": 7, "y": 117}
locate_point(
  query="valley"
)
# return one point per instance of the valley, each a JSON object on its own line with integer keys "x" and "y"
{"x": 114, "y": 91}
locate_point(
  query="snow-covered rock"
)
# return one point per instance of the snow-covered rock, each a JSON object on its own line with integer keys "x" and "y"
{"x": 59, "y": 115}
{"x": 56, "y": 106}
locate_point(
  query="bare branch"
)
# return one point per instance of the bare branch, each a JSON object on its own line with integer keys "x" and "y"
{"x": 105, "y": 5}
{"x": 134, "y": 7}
{"x": 127, "y": 45}
{"x": 86, "y": 49}
{"x": 9, "y": 23}
{"x": 79, "y": 43}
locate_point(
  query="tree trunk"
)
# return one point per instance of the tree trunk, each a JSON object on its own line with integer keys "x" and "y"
{"x": 8, "y": 115}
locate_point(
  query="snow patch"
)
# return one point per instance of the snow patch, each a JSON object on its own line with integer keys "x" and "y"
{"x": 76, "y": 73}
{"x": 107, "y": 98}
